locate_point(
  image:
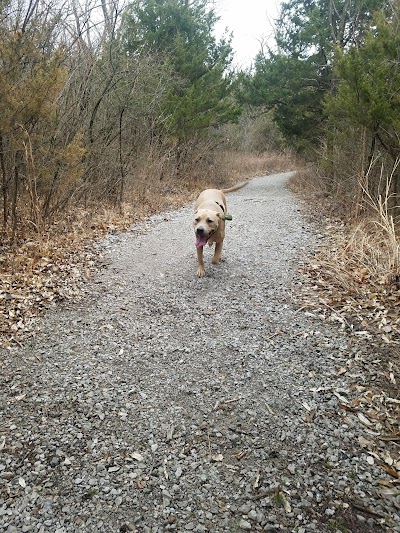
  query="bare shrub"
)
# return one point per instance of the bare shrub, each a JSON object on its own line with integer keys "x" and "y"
{"x": 255, "y": 132}
{"x": 357, "y": 271}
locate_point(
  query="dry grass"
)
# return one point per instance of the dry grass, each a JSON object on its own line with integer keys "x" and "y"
{"x": 227, "y": 169}
{"x": 235, "y": 166}
{"x": 354, "y": 281}
{"x": 372, "y": 239}
{"x": 357, "y": 269}
{"x": 309, "y": 185}
{"x": 374, "y": 247}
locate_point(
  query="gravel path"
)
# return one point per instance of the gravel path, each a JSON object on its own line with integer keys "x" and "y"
{"x": 166, "y": 402}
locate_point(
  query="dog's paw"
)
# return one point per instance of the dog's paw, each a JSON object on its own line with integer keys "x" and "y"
{"x": 201, "y": 272}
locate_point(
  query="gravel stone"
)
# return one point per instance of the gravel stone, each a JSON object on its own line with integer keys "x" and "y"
{"x": 160, "y": 401}
{"x": 252, "y": 515}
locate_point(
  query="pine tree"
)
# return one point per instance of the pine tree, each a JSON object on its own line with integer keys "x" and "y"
{"x": 294, "y": 79}
{"x": 179, "y": 33}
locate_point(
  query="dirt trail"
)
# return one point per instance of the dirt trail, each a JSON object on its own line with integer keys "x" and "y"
{"x": 166, "y": 402}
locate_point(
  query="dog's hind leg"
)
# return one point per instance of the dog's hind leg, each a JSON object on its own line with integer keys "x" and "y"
{"x": 217, "y": 254}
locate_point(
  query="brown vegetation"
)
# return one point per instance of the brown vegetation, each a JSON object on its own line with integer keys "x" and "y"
{"x": 356, "y": 270}
{"x": 101, "y": 126}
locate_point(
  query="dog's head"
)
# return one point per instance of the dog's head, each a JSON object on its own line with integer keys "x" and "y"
{"x": 205, "y": 223}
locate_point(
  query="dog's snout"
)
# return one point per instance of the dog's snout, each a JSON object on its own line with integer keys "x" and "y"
{"x": 200, "y": 231}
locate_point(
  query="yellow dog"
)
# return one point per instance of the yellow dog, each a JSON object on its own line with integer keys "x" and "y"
{"x": 209, "y": 222}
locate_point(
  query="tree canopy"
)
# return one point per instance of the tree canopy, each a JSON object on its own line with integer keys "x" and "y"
{"x": 294, "y": 78}
{"x": 180, "y": 33}
{"x": 368, "y": 87}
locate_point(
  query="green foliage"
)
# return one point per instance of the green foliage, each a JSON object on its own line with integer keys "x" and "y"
{"x": 363, "y": 113}
{"x": 171, "y": 28}
{"x": 294, "y": 89}
{"x": 367, "y": 92}
{"x": 294, "y": 80}
{"x": 198, "y": 96}
{"x": 302, "y": 28}
{"x": 309, "y": 27}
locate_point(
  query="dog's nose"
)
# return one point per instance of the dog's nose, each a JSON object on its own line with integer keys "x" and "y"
{"x": 199, "y": 231}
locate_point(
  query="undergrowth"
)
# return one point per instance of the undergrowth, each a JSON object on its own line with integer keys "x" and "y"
{"x": 357, "y": 268}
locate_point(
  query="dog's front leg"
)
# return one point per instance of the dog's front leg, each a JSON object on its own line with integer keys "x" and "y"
{"x": 200, "y": 269}
{"x": 217, "y": 254}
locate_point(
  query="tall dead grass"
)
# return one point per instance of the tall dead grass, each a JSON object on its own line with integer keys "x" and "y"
{"x": 235, "y": 166}
{"x": 158, "y": 181}
{"x": 154, "y": 188}
{"x": 375, "y": 241}
{"x": 368, "y": 246}
{"x": 357, "y": 268}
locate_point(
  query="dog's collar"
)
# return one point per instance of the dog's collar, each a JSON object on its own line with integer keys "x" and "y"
{"x": 224, "y": 216}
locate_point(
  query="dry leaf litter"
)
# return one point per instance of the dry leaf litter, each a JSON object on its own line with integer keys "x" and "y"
{"x": 163, "y": 402}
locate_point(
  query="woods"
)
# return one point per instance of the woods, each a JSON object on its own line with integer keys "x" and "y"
{"x": 98, "y": 101}
{"x": 112, "y": 109}
{"x": 332, "y": 82}
{"x": 95, "y": 102}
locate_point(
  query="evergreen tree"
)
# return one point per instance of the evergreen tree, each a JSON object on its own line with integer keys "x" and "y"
{"x": 199, "y": 95}
{"x": 367, "y": 97}
{"x": 295, "y": 79}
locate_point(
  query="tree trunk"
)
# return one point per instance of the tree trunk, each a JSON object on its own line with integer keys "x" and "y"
{"x": 14, "y": 198}
{"x": 121, "y": 164}
{"x": 4, "y": 184}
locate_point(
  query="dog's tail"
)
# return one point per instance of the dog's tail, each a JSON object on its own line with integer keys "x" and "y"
{"x": 236, "y": 187}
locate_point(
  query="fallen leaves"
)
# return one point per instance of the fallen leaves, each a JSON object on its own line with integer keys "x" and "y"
{"x": 364, "y": 420}
{"x": 391, "y": 471}
{"x": 42, "y": 273}
{"x": 345, "y": 287}
{"x": 38, "y": 270}
{"x": 363, "y": 442}
{"x": 379, "y": 415}
{"x": 240, "y": 454}
{"x": 351, "y": 286}
{"x": 137, "y": 456}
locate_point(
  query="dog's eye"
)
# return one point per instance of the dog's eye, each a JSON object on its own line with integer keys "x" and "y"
{"x": 209, "y": 221}
{"x": 197, "y": 220}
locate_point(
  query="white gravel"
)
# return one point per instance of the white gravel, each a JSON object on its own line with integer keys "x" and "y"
{"x": 166, "y": 402}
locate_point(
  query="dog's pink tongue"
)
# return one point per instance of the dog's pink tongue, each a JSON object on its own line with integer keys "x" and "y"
{"x": 201, "y": 240}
